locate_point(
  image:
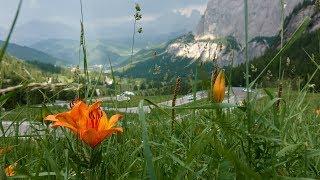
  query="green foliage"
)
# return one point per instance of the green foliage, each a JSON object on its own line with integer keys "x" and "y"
{"x": 268, "y": 40}
{"x": 205, "y": 145}
{"x": 146, "y": 143}
{"x": 14, "y": 72}
{"x": 30, "y": 54}
{"x": 297, "y": 65}
{"x": 296, "y": 10}
{"x": 46, "y": 67}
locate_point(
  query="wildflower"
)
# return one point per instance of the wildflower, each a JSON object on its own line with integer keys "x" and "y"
{"x": 89, "y": 123}
{"x": 10, "y": 169}
{"x": 218, "y": 88}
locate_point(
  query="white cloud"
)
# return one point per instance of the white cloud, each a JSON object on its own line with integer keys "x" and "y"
{"x": 187, "y": 11}
{"x": 150, "y": 17}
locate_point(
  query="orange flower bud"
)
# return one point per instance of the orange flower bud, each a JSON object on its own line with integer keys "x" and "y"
{"x": 218, "y": 89}
{"x": 10, "y": 170}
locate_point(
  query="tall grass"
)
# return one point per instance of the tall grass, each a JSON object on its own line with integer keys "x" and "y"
{"x": 137, "y": 18}
{"x": 252, "y": 140}
{"x": 84, "y": 53}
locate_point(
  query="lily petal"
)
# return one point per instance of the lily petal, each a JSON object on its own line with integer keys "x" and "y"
{"x": 67, "y": 118}
{"x": 79, "y": 109}
{"x": 51, "y": 118}
{"x": 114, "y": 119}
{"x": 64, "y": 124}
{"x": 93, "y": 137}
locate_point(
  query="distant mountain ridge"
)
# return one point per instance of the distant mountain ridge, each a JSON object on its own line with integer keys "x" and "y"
{"x": 30, "y": 54}
{"x": 2, "y": 33}
{"x": 98, "y": 51}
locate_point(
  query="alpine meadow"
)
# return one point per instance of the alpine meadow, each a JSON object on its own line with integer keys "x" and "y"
{"x": 139, "y": 89}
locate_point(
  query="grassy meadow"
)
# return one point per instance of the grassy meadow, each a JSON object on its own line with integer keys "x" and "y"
{"x": 272, "y": 135}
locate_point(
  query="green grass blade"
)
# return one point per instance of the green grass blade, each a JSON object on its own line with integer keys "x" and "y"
{"x": 146, "y": 144}
{"x": 112, "y": 75}
{"x": 207, "y": 106}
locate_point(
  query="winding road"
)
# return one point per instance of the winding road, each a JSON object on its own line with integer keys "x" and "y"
{"x": 237, "y": 95}
{"x": 26, "y": 128}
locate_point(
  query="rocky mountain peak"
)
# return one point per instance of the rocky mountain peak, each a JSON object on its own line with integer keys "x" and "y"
{"x": 223, "y": 24}
{"x": 226, "y": 18}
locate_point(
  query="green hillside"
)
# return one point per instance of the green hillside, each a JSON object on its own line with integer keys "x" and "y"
{"x": 14, "y": 71}
{"x": 30, "y": 54}
{"x": 158, "y": 66}
{"x": 296, "y": 64}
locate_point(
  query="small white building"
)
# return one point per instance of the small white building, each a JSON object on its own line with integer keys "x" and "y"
{"x": 128, "y": 93}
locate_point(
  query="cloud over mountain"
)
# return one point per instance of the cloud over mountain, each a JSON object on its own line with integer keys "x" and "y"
{"x": 102, "y": 19}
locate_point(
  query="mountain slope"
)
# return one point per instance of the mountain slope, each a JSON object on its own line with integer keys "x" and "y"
{"x": 99, "y": 51}
{"x": 224, "y": 20}
{"x": 157, "y": 64}
{"x": 180, "y": 55}
{"x": 296, "y": 64}
{"x": 30, "y": 54}
{"x": 15, "y": 71}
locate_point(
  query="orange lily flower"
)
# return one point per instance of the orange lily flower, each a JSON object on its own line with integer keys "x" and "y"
{"x": 218, "y": 89}
{"x": 89, "y": 123}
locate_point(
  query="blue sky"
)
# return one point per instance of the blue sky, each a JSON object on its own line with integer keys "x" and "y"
{"x": 98, "y": 14}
